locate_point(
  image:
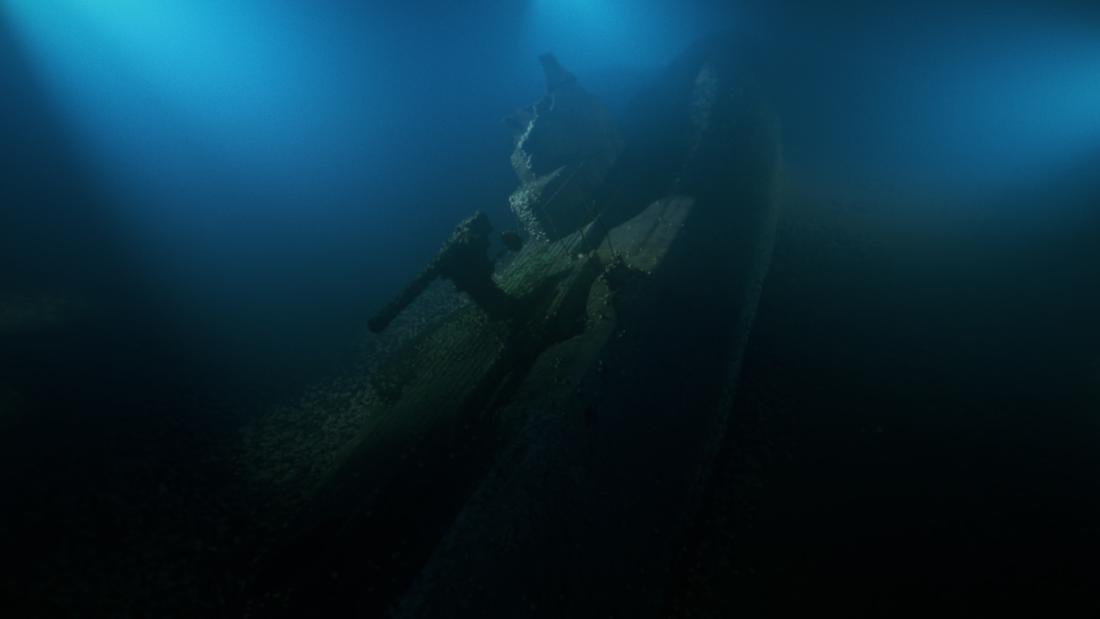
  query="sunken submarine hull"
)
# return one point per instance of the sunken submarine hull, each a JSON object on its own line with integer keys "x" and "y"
{"x": 548, "y": 460}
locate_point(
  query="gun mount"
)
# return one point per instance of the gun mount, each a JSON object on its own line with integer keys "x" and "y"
{"x": 464, "y": 260}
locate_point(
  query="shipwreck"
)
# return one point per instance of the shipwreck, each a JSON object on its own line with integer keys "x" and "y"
{"x": 543, "y": 449}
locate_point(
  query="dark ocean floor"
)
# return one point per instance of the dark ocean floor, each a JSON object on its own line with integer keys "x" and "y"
{"x": 915, "y": 431}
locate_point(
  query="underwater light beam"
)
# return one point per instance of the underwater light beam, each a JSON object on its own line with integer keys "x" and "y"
{"x": 218, "y": 132}
{"x": 150, "y": 82}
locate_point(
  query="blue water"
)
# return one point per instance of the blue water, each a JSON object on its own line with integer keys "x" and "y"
{"x": 202, "y": 201}
{"x": 248, "y": 150}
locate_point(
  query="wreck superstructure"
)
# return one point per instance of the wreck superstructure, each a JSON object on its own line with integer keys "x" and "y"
{"x": 564, "y": 146}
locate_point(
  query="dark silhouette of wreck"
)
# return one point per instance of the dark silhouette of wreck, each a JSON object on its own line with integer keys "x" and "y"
{"x": 542, "y": 450}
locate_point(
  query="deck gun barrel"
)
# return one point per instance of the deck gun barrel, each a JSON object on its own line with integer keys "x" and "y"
{"x": 463, "y": 259}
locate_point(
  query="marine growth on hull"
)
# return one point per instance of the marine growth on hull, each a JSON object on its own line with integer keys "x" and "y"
{"x": 577, "y": 399}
